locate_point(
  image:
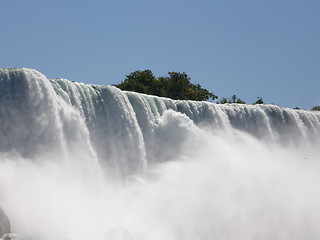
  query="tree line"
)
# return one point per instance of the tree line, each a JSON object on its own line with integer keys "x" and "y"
{"x": 316, "y": 108}
{"x": 176, "y": 86}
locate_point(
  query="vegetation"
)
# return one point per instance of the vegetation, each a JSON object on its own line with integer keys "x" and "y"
{"x": 175, "y": 86}
{"x": 259, "y": 101}
{"x": 233, "y": 99}
{"x": 316, "y": 108}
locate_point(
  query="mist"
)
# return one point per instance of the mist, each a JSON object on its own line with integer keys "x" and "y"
{"x": 151, "y": 168}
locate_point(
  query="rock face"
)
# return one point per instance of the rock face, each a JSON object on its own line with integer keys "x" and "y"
{"x": 4, "y": 223}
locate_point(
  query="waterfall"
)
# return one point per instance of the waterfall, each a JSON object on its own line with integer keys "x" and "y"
{"x": 79, "y": 161}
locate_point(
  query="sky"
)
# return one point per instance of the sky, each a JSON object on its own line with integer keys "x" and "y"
{"x": 248, "y": 48}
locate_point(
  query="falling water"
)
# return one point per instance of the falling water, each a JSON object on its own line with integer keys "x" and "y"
{"x": 82, "y": 161}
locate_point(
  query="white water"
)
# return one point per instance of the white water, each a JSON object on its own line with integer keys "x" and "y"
{"x": 90, "y": 162}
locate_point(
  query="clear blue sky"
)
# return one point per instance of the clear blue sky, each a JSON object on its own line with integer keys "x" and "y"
{"x": 251, "y": 48}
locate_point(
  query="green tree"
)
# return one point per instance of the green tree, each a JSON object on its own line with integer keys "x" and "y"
{"x": 162, "y": 88}
{"x": 233, "y": 99}
{"x": 316, "y": 108}
{"x": 139, "y": 81}
{"x": 259, "y": 101}
{"x": 179, "y": 84}
{"x": 196, "y": 92}
{"x": 223, "y": 101}
{"x": 176, "y": 86}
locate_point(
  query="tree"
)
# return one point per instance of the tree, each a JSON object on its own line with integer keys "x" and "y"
{"x": 179, "y": 83}
{"x": 176, "y": 86}
{"x": 196, "y": 92}
{"x": 233, "y": 99}
{"x": 259, "y": 101}
{"x": 139, "y": 81}
{"x": 316, "y": 108}
{"x": 223, "y": 101}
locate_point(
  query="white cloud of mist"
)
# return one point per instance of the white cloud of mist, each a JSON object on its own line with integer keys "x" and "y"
{"x": 220, "y": 185}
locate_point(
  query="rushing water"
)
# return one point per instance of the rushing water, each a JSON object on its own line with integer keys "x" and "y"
{"x": 82, "y": 161}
